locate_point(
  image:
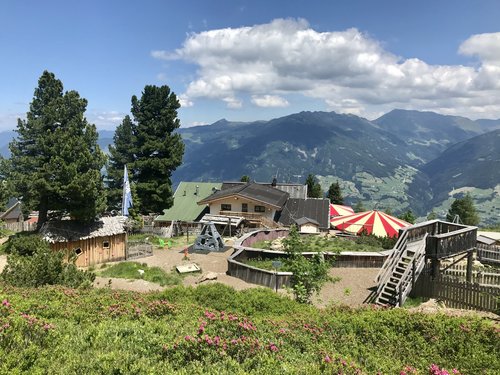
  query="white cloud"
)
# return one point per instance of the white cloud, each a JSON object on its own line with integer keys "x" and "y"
{"x": 184, "y": 101}
{"x": 105, "y": 119}
{"x": 348, "y": 70}
{"x": 8, "y": 121}
{"x": 269, "y": 101}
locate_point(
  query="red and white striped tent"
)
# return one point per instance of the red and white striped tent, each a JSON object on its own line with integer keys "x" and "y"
{"x": 340, "y": 210}
{"x": 372, "y": 222}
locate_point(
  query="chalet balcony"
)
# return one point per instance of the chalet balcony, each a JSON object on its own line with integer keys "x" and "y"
{"x": 250, "y": 216}
{"x": 253, "y": 217}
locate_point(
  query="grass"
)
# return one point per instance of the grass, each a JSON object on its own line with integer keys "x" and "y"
{"x": 131, "y": 270}
{"x": 333, "y": 244}
{"x": 414, "y": 302}
{"x": 153, "y": 239}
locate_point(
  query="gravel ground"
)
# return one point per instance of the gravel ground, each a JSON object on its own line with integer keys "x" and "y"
{"x": 352, "y": 289}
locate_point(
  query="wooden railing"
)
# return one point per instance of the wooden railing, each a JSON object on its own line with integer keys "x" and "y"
{"x": 488, "y": 253}
{"x": 452, "y": 243}
{"x": 247, "y": 215}
{"x": 253, "y": 217}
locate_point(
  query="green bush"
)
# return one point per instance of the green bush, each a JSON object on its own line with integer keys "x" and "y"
{"x": 101, "y": 331}
{"x": 38, "y": 265}
{"x": 309, "y": 275}
{"x": 25, "y": 244}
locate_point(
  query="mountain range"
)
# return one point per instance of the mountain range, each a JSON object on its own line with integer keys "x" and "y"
{"x": 402, "y": 160}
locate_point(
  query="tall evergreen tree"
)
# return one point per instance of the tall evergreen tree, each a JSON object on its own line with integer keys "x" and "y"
{"x": 465, "y": 209}
{"x": 155, "y": 150}
{"x": 359, "y": 207}
{"x": 408, "y": 216}
{"x": 55, "y": 160}
{"x": 313, "y": 187}
{"x": 335, "y": 194}
{"x": 121, "y": 154}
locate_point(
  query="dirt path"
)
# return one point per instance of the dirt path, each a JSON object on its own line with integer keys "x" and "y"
{"x": 352, "y": 289}
{"x": 3, "y": 262}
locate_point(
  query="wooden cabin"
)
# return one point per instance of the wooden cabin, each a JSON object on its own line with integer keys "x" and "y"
{"x": 307, "y": 225}
{"x": 103, "y": 241}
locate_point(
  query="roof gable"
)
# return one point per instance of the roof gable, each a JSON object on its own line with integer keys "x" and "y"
{"x": 186, "y": 197}
{"x": 253, "y": 191}
{"x": 70, "y": 230}
{"x": 313, "y": 208}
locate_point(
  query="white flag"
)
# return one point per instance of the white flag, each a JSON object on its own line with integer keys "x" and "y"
{"x": 127, "y": 194}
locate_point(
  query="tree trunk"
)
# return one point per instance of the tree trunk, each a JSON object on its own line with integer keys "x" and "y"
{"x": 43, "y": 210}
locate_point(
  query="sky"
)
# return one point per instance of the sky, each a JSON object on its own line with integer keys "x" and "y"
{"x": 255, "y": 60}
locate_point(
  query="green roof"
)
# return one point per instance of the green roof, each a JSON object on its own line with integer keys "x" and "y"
{"x": 186, "y": 200}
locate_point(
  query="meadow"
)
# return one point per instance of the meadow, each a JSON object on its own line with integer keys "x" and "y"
{"x": 213, "y": 329}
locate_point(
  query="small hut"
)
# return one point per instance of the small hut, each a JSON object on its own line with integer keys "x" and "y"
{"x": 307, "y": 225}
{"x": 104, "y": 240}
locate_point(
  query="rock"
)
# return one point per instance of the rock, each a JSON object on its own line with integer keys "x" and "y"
{"x": 206, "y": 277}
{"x": 277, "y": 244}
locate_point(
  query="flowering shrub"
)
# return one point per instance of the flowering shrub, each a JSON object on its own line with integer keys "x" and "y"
{"x": 63, "y": 330}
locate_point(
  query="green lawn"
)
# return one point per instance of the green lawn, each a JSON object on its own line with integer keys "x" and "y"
{"x": 155, "y": 240}
{"x": 333, "y": 244}
{"x": 131, "y": 270}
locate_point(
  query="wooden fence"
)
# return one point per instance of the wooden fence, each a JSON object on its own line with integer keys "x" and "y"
{"x": 488, "y": 253}
{"x": 487, "y": 277}
{"x": 20, "y": 227}
{"x": 458, "y": 294}
{"x": 137, "y": 250}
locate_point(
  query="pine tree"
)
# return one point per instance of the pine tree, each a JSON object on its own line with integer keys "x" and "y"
{"x": 408, "y": 216}
{"x": 359, "y": 207}
{"x": 465, "y": 209}
{"x": 335, "y": 194}
{"x": 55, "y": 160}
{"x": 245, "y": 178}
{"x": 313, "y": 187}
{"x": 157, "y": 148}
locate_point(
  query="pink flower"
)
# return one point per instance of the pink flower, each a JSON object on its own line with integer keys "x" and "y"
{"x": 187, "y": 338}
{"x": 5, "y": 303}
{"x": 327, "y": 359}
{"x": 273, "y": 347}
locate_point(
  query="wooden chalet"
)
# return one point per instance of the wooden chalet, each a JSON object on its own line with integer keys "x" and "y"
{"x": 103, "y": 241}
{"x": 258, "y": 204}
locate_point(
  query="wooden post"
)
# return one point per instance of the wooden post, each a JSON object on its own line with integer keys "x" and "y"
{"x": 469, "y": 266}
{"x": 400, "y": 296}
{"x": 435, "y": 266}
{"x": 413, "y": 272}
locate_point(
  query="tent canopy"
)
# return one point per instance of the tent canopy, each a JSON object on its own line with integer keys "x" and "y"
{"x": 340, "y": 210}
{"x": 372, "y": 222}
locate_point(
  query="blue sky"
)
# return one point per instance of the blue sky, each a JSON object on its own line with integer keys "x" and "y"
{"x": 253, "y": 60}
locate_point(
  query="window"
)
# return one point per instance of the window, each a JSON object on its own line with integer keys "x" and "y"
{"x": 260, "y": 209}
{"x": 105, "y": 245}
{"x": 225, "y": 207}
{"x": 78, "y": 251}
{"x": 244, "y": 207}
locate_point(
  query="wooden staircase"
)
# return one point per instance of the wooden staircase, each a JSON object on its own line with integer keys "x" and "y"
{"x": 400, "y": 271}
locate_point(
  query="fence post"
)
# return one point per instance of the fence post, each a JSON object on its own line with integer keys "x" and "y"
{"x": 400, "y": 296}
{"x": 468, "y": 276}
